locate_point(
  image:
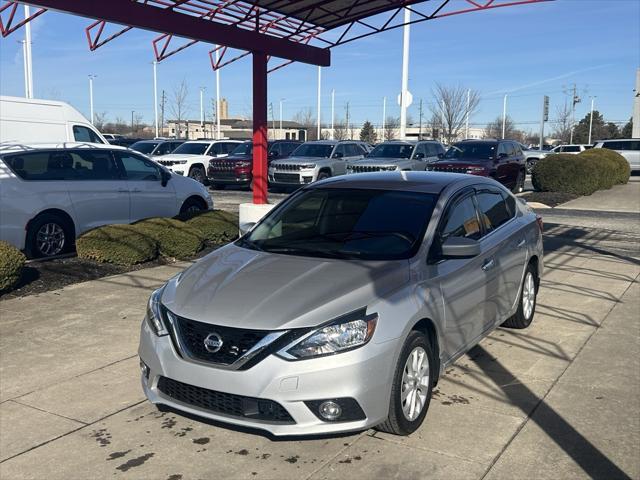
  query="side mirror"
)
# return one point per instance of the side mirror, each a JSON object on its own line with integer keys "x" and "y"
{"x": 338, "y": 155}
{"x": 164, "y": 177}
{"x": 245, "y": 227}
{"x": 502, "y": 155}
{"x": 460, "y": 247}
{"x": 441, "y": 155}
{"x": 419, "y": 156}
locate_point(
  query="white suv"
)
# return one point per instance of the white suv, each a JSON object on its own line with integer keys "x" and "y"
{"x": 191, "y": 158}
{"x": 50, "y": 194}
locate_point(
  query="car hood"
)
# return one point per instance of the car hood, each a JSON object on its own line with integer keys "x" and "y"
{"x": 181, "y": 156}
{"x": 243, "y": 288}
{"x": 460, "y": 163}
{"x": 380, "y": 161}
{"x": 237, "y": 158}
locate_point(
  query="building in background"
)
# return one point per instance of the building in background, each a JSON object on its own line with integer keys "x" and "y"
{"x": 232, "y": 128}
{"x": 224, "y": 109}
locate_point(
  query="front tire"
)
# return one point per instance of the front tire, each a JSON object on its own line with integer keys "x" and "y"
{"x": 197, "y": 173}
{"x": 519, "y": 186}
{"x": 526, "y": 302}
{"x": 412, "y": 386}
{"x": 49, "y": 235}
{"x": 193, "y": 206}
{"x": 323, "y": 175}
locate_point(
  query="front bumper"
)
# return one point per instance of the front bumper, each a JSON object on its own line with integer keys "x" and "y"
{"x": 291, "y": 178}
{"x": 363, "y": 374}
{"x": 226, "y": 178}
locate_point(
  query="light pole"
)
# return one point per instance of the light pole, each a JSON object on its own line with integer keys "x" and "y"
{"x": 155, "y": 96}
{"x": 27, "y": 53}
{"x": 132, "y": 112}
{"x": 504, "y": 116}
{"x": 26, "y": 67}
{"x": 333, "y": 113}
{"x": 202, "y": 110}
{"x": 405, "y": 96}
{"x": 281, "y": 134}
{"x": 384, "y": 115}
{"x": 593, "y": 99}
{"x": 319, "y": 89}
{"x": 466, "y": 126}
{"x": 217, "y": 93}
{"x": 91, "y": 77}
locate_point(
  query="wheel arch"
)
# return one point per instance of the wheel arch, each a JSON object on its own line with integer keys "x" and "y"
{"x": 53, "y": 211}
{"x": 428, "y": 327}
{"x": 195, "y": 198}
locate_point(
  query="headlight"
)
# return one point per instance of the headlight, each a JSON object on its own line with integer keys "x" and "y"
{"x": 307, "y": 165}
{"x": 181, "y": 162}
{"x": 155, "y": 316}
{"x": 340, "y": 336}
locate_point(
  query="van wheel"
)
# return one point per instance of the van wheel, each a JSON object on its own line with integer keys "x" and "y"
{"x": 527, "y": 302}
{"x": 197, "y": 173}
{"x": 193, "y": 205}
{"x": 411, "y": 388}
{"x": 48, "y": 235}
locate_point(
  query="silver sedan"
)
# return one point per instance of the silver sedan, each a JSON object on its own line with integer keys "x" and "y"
{"x": 341, "y": 308}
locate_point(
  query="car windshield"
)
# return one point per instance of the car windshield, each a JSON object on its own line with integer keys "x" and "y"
{"x": 144, "y": 147}
{"x": 313, "y": 150}
{"x": 243, "y": 149}
{"x": 471, "y": 151}
{"x": 345, "y": 223}
{"x": 191, "y": 149}
{"x": 391, "y": 150}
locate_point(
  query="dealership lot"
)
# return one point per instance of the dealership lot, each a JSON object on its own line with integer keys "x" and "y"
{"x": 559, "y": 399}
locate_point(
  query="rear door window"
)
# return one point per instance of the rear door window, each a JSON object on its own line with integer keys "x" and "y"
{"x": 84, "y": 134}
{"x": 571, "y": 149}
{"x": 493, "y": 210}
{"x": 461, "y": 220}
{"x": 139, "y": 168}
{"x": 64, "y": 165}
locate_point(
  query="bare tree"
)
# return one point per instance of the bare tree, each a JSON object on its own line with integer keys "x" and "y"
{"x": 100, "y": 120}
{"x": 340, "y": 130}
{"x": 435, "y": 125}
{"x": 494, "y": 129}
{"x": 391, "y": 126}
{"x": 453, "y": 105}
{"x": 563, "y": 126}
{"x": 305, "y": 118}
{"x": 178, "y": 105}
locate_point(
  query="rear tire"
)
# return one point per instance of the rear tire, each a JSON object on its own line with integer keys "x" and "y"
{"x": 193, "y": 205}
{"x": 197, "y": 173}
{"x": 413, "y": 380}
{"x": 526, "y": 301}
{"x": 48, "y": 235}
{"x": 519, "y": 186}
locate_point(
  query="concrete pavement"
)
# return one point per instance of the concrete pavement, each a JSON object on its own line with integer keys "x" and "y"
{"x": 621, "y": 198}
{"x": 558, "y": 400}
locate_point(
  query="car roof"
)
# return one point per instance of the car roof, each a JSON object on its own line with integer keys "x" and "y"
{"x": 424, "y": 182}
{"x": 27, "y": 147}
{"x": 397, "y": 142}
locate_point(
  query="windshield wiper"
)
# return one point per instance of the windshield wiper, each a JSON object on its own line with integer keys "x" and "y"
{"x": 244, "y": 242}
{"x": 309, "y": 252}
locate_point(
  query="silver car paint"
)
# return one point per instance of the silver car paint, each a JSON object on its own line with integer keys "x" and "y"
{"x": 412, "y": 163}
{"x": 245, "y": 288}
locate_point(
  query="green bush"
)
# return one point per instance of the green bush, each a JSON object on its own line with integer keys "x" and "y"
{"x": 217, "y": 226}
{"x": 618, "y": 166}
{"x": 11, "y": 263}
{"x": 175, "y": 239}
{"x": 580, "y": 174}
{"x": 118, "y": 244}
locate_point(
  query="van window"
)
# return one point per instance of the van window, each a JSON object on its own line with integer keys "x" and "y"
{"x": 64, "y": 165}
{"x": 84, "y": 134}
{"x": 139, "y": 168}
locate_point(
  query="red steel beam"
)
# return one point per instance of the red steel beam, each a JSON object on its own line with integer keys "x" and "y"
{"x": 161, "y": 20}
{"x": 6, "y": 28}
{"x": 259, "y": 128}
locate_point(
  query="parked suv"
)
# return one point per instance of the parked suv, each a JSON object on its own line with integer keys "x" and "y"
{"x": 629, "y": 148}
{"x": 342, "y": 307}
{"x": 51, "y": 194}
{"x": 573, "y": 149}
{"x": 191, "y": 158}
{"x": 532, "y": 156}
{"x": 313, "y": 161}
{"x": 502, "y": 160}
{"x": 398, "y": 155}
{"x": 236, "y": 169}
{"x": 157, "y": 147}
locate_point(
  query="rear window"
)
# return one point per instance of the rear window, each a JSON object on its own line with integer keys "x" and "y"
{"x": 144, "y": 147}
{"x": 191, "y": 149}
{"x": 571, "y": 149}
{"x": 63, "y": 165}
{"x": 471, "y": 151}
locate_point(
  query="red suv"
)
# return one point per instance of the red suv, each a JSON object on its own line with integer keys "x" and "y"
{"x": 502, "y": 160}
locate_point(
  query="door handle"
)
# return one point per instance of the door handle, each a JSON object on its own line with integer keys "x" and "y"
{"x": 488, "y": 264}
{"x": 521, "y": 243}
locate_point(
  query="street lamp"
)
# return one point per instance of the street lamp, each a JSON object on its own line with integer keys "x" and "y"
{"x": 281, "y": 135}
{"x": 91, "y": 77}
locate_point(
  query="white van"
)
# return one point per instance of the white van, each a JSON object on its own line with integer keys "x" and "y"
{"x": 26, "y": 120}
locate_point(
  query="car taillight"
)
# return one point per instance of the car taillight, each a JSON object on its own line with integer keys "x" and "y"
{"x": 540, "y": 223}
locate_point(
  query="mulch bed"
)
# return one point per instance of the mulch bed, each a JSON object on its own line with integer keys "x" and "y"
{"x": 551, "y": 199}
{"x": 44, "y": 275}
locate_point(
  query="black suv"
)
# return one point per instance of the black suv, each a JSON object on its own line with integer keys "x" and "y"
{"x": 157, "y": 147}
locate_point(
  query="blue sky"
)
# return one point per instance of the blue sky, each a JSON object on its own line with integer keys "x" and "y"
{"x": 525, "y": 51}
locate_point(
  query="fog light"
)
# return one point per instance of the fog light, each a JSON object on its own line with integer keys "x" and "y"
{"x": 330, "y": 410}
{"x": 144, "y": 369}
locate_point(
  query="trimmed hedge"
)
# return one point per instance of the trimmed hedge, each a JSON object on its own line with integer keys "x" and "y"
{"x": 217, "y": 226}
{"x": 11, "y": 263}
{"x": 118, "y": 244}
{"x": 581, "y": 174}
{"x": 175, "y": 239}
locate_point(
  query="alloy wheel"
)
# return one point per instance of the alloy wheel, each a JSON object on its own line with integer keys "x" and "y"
{"x": 415, "y": 383}
{"x": 528, "y": 295}
{"x": 50, "y": 239}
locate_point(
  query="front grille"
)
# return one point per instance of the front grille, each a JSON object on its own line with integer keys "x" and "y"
{"x": 235, "y": 341}
{"x": 371, "y": 168}
{"x": 289, "y": 167}
{"x": 286, "y": 177}
{"x": 222, "y": 166}
{"x": 217, "y": 175}
{"x": 225, "y": 403}
{"x": 436, "y": 168}
{"x": 167, "y": 163}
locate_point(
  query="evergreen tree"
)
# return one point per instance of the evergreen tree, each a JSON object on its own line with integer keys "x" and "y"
{"x": 368, "y": 133}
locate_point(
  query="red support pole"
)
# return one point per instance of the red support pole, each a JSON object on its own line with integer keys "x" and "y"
{"x": 259, "y": 128}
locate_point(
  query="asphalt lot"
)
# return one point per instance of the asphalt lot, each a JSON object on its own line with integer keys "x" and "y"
{"x": 558, "y": 400}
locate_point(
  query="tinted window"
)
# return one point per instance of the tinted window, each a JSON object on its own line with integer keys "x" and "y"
{"x": 243, "y": 149}
{"x": 571, "y": 149}
{"x": 461, "y": 220}
{"x": 228, "y": 147}
{"x": 84, "y": 134}
{"x": 493, "y": 210}
{"x": 392, "y": 150}
{"x": 64, "y": 165}
{"x": 191, "y": 149}
{"x": 313, "y": 150}
{"x": 287, "y": 148}
{"x": 340, "y": 151}
{"x": 139, "y": 168}
{"x": 353, "y": 150}
{"x": 144, "y": 147}
{"x": 422, "y": 151}
{"x": 351, "y": 223}
{"x": 164, "y": 148}
{"x": 472, "y": 151}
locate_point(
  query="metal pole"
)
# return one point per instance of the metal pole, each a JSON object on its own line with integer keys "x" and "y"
{"x": 218, "y": 133}
{"x": 504, "y": 116}
{"x": 91, "y": 118}
{"x": 29, "y": 61}
{"x": 466, "y": 126}
{"x": 404, "y": 93}
{"x": 155, "y": 96}
{"x": 442, "y": 121}
{"x": 259, "y": 128}
{"x": 333, "y": 113}
{"x": 26, "y": 68}
{"x": 542, "y": 124}
{"x": 384, "y": 115}
{"x": 281, "y": 134}
{"x": 591, "y": 119}
{"x": 201, "y": 107}
{"x": 132, "y": 112}
{"x": 319, "y": 88}
{"x": 420, "y": 129}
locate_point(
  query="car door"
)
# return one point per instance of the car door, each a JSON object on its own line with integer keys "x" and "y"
{"x": 503, "y": 162}
{"x": 98, "y": 192}
{"x": 419, "y": 157}
{"x": 339, "y": 156}
{"x": 504, "y": 240}
{"x": 466, "y": 283}
{"x": 149, "y": 198}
